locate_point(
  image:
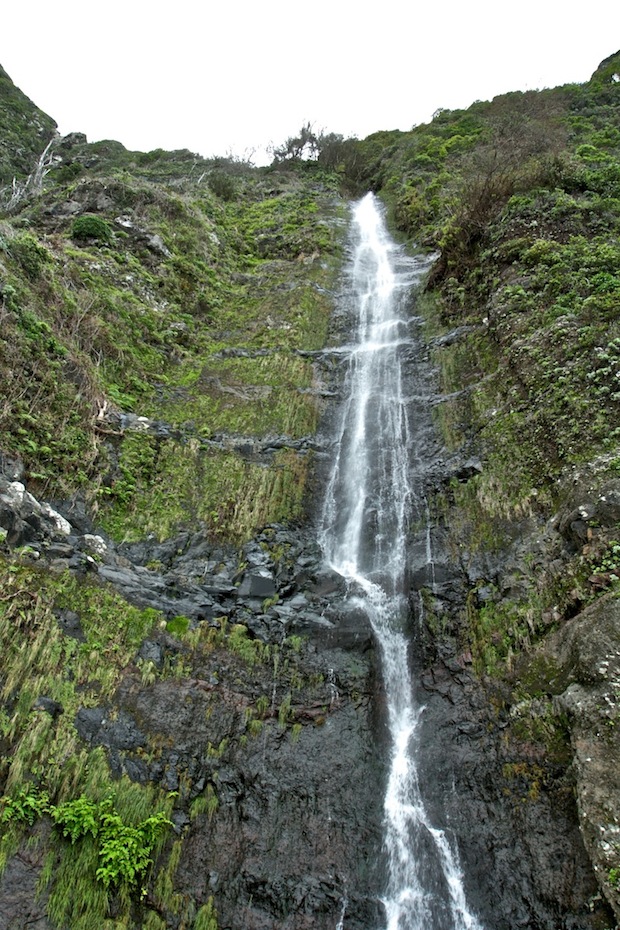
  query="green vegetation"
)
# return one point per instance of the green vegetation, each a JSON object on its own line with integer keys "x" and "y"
{"x": 206, "y": 918}
{"x": 107, "y": 844}
{"x": 124, "y": 851}
{"x": 46, "y": 769}
{"x": 91, "y": 227}
{"x": 162, "y": 487}
{"x": 181, "y": 292}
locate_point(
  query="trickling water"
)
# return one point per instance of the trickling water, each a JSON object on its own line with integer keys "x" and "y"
{"x": 369, "y": 497}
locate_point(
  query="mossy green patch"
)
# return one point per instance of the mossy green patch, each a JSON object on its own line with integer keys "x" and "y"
{"x": 128, "y": 307}
{"x": 174, "y": 484}
{"x": 262, "y": 396}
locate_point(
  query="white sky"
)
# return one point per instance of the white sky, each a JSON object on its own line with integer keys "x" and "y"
{"x": 235, "y": 75}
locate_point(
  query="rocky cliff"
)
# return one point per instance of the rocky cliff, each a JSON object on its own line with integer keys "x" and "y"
{"x": 192, "y": 730}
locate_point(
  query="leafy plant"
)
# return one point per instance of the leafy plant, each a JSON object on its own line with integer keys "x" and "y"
{"x": 77, "y": 818}
{"x": 125, "y": 851}
{"x": 25, "y": 806}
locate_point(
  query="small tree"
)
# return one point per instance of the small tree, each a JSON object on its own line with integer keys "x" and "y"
{"x": 302, "y": 147}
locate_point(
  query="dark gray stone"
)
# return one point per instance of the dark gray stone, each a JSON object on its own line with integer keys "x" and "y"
{"x": 151, "y": 651}
{"x": 70, "y": 623}
{"x": 49, "y": 706}
{"x": 257, "y": 584}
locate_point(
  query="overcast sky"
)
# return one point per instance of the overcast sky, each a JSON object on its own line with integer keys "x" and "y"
{"x": 235, "y": 76}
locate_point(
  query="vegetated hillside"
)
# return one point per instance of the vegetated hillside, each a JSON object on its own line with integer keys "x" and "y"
{"x": 24, "y": 133}
{"x": 520, "y": 197}
{"x": 175, "y": 289}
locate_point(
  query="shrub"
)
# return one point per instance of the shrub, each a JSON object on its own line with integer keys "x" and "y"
{"x": 91, "y": 227}
{"x": 30, "y": 255}
{"x": 222, "y": 185}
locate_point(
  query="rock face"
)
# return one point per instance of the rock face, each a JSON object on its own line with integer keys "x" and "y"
{"x": 522, "y": 855}
{"x": 268, "y": 743}
{"x": 276, "y": 746}
{"x": 296, "y": 830}
{"x": 585, "y": 655}
{"x": 20, "y": 905}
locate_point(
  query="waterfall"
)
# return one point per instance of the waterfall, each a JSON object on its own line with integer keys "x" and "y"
{"x": 370, "y": 495}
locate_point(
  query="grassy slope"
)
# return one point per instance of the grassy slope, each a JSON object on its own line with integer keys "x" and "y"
{"x": 121, "y": 286}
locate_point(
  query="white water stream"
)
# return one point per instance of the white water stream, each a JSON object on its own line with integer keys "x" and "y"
{"x": 369, "y": 497}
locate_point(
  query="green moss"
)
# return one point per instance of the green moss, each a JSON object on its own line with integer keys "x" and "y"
{"x": 250, "y": 396}
{"x": 178, "y": 626}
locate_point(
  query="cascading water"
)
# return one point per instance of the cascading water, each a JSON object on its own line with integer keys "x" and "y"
{"x": 369, "y": 498}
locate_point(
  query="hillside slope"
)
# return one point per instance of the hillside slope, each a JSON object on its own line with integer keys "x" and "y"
{"x": 520, "y": 197}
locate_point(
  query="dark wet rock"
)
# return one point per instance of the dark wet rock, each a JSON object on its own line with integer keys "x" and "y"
{"x": 70, "y": 623}
{"x": 266, "y": 629}
{"x": 22, "y": 903}
{"x": 259, "y": 584}
{"x": 59, "y": 550}
{"x": 101, "y": 727}
{"x": 453, "y": 336}
{"x": 88, "y": 722}
{"x": 151, "y": 651}
{"x": 150, "y": 589}
{"x": 585, "y": 656}
{"x": 435, "y": 575}
{"x": 463, "y": 471}
{"x": 25, "y": 519}
{"x": 326, "y": 582}
{"x": 49, "y": 706}
{"x": 351, "y": 630}
{"x": 138, "y": 770}
{"x": 11, "y": 467}
{"x": 290, "y": 841}
{"x": 543, "y": 869}
{"x": 20, "y": 533}
{"x": 607, "y": 509}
